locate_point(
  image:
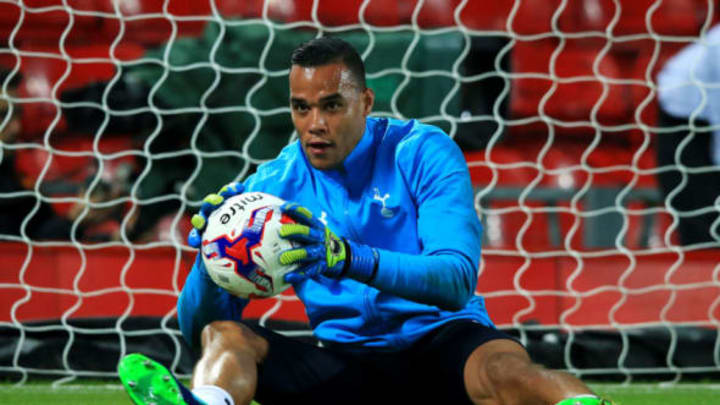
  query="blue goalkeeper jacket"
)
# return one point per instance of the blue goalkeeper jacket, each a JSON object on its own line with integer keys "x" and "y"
{"x": 405, "y": 190}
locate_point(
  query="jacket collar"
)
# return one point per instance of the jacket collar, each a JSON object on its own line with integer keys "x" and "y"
{"x": 357, "y": 166}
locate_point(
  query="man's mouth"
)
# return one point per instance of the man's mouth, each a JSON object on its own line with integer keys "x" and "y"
{"x": 318, "y": 147}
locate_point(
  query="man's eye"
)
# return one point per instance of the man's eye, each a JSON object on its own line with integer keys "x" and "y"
{"x": 333, "y": 106}
{"x": 300, "y": 107}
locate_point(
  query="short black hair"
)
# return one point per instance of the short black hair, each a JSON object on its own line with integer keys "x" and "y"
{"x": 14, "y": 80}
{"x": 326, "y": 50}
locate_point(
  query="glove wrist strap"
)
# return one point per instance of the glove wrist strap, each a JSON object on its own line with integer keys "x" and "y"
{"x": 362, "y": 263}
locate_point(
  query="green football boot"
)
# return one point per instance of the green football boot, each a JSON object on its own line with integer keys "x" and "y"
{"x": 585, "y": 400}
{"x": 147, "y": 382}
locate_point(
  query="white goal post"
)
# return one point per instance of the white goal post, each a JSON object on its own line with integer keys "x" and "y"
{"x": 118, "y": 116}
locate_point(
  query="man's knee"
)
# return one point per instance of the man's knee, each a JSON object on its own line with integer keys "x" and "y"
{"x": 234, "y": 337}
{"x": 510, "y": 369}
{"x": 493, "y": 371}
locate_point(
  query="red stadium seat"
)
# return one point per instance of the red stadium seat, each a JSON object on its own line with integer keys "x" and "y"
{"x": 671, "y": 17}
{"x": 649, "y": 230}
{"x": 531, "y": 17}
{"x": 558, "y": 174}
{"x": 434, "y": 13}
{"x": 45, "y": 21}
{"x": 536, "y": 16}
{"x": 562, "y": 167}
{"x": 515, "y": 168}
{"x": 281, "y": 11}
{"x": 571, "y": 100}
{"x": 46, "y": 73}
{"x": 514, "y": 227}
{"x": 146, "y": 22}
{"x": 378, "y": 13}
{"x": 437, "y": 13}
{"x": 70, "y": 172}
{"x": 329, "y": 12}
{"x": 617, "y": 160}
{"x": 164, "y": 230}
{"x": 486, "y": 15}
{"x": 511, "y": 167}
{"x": 75, "y": 168}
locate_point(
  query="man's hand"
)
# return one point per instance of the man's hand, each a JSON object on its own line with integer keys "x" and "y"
{"x": 210, "y": 203}
{"x": 322, "y": 252}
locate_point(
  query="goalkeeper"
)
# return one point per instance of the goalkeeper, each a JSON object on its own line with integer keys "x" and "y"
{"x": 390, "y": 247}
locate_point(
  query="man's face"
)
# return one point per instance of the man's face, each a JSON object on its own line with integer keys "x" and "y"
{"x": 328, "y": 110}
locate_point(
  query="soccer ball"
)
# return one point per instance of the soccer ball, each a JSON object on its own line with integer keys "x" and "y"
{"x": 241, "y": 245}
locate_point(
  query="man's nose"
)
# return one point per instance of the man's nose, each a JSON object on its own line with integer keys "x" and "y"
{"x": 318, "y": 123}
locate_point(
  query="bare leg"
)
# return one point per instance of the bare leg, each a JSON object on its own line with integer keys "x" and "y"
{"x": 500, "y": 372}
{"x": 230, "y": 355}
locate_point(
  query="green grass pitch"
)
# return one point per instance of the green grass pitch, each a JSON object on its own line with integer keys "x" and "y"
{"x": 112, "y": 394}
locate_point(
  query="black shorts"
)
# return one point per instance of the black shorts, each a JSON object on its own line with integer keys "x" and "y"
{"x": 430, "y": 372}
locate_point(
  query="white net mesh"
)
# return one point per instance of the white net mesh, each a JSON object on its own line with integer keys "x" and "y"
{"x": 132, "y": 110}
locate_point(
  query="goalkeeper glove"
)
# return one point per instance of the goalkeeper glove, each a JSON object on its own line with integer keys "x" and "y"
{"x": 210, "y": 203}
{"x": 323, "y": 252}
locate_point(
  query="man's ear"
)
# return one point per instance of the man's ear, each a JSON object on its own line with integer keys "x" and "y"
{"x": 369, "y": 100}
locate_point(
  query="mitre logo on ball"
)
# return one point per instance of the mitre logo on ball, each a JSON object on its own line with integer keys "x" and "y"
{"x": 241, "y": 245}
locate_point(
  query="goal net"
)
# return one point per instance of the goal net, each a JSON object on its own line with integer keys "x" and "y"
{"x": 601, "y": 243}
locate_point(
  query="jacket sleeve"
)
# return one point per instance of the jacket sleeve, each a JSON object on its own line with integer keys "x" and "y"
{"x": 202, "y": 302}
{"x": 445, "y": 272}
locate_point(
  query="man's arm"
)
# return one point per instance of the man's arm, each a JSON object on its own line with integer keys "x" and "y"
{"x": 202, "y": 302}
{"x": 445, "y": 273}
{"x": 446, "y": 280}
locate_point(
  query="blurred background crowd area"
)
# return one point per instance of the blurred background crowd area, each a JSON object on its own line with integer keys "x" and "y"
{"x": 118, "y": 116}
